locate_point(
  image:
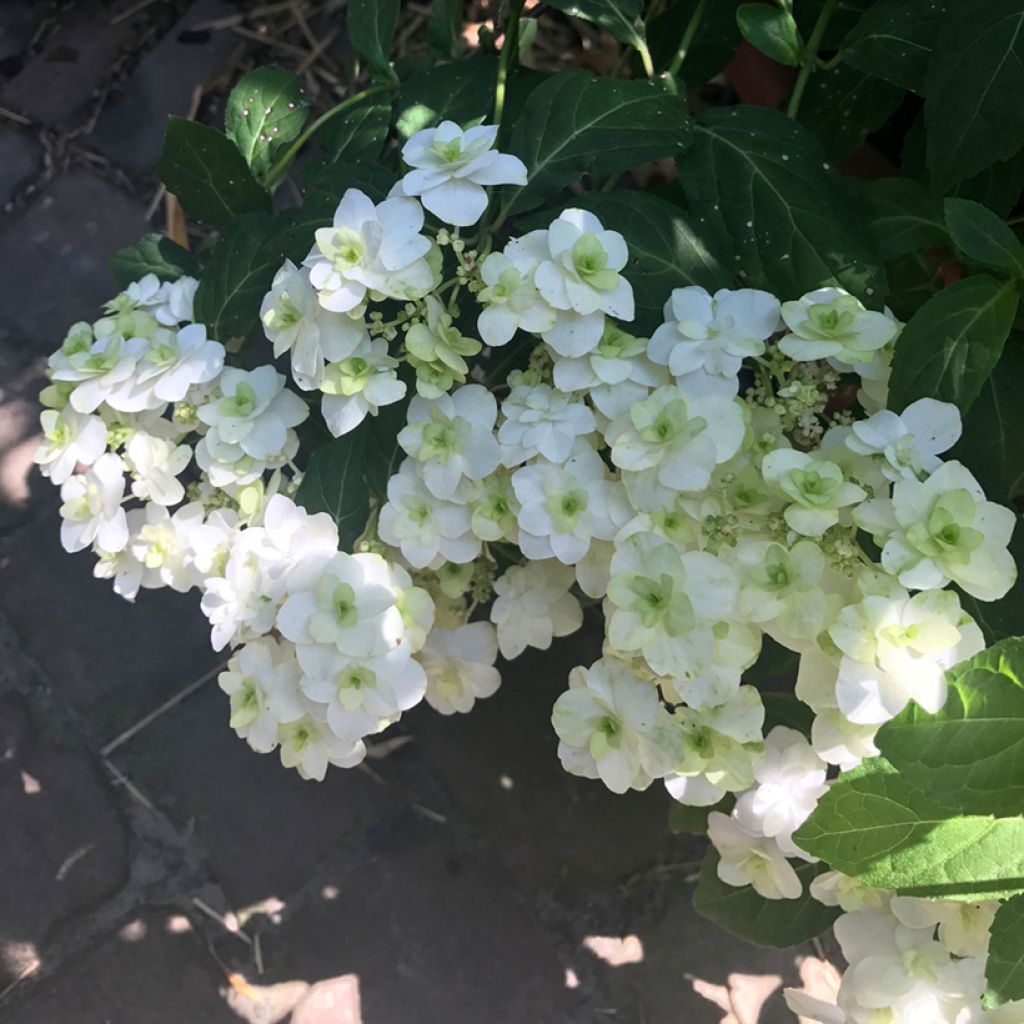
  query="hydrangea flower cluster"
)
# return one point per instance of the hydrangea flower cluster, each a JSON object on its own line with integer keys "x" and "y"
{"x": 710, "y": 486}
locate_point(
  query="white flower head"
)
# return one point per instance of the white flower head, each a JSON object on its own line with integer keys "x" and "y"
{"x": 358, "y": 386}
{"x": 91, "y": 509}
{"x": 831, "y": 324}
{"x": 510, "y": 299}
{"x": 705, "y": 338}
{"x": 538, "y": 420}
{"x": 309, "y": 746}
{"x": 615, "y": 717}
{"x": 460, "y": 666}
{"x": 451, "y": 168}
{"x": 155, "y": 465}
{"x": 99, "y": 369}
{"x": 370, "y": 248}
{"x": 746, "y": 858}
{"x": 816, "y": 489}
{"x": 70, "y": 438}
{"x": 533, "y": 605}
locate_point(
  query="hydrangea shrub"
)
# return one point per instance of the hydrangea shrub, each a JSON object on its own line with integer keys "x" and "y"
{"x": 468, "y": 388}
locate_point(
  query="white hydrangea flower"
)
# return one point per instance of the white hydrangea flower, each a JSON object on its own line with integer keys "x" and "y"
{"x": 896, "y": 649}
{"x": 746, "y": 858}
{"x": 533, "y": 605}
{"x": 460, "y": 666}
{"x": 612, "y": 722}
{"x": 829, "y": 323}
{"x": 348, "y": 603}
{"x": 837, "y": 740}
{"x": 161, "y": 545}
{"x": 175, "y": 301}
{"x": 69, "y": 439}
{"x": 451, "y": 168}
{"x": 909, "y": 444}
{"x": 735, "y": 646}
{"x": 538, "y": 420}
{"x": 614, "y": 375}
{"x": 99, "y": 369}
{"x": 943, "y": 529}
{"x": 361, "y": 695}
{"x": 370, "y": 248}
{"x": 705, "y": 338}
{"x": 815, "y": 489}
{"x": 426, "y": 529}
{"x": 155, "y": 465}
{"x": 564, "y": 507}
{"x": 495, "y": 509}
{"x": 91, "y": 509}
{"x": 510, "y": 299}
{"x": 452, "y": 438}
{"x": 579, "y": 276}
{"x": 670, "y": 442}
{"x": 359, "y": 386}
{"x": 834, "y": 889}
{"x": 261, "y": 679}
{"x": 250, "y": 417}
{"x": 295, "y": 322}
{"x": 789, "y": 782}
{"x": 309, "y": 746}
{"x": 662, "y": 603}
{"x": 722, "y": 745}
{"x": 964, "y": 928}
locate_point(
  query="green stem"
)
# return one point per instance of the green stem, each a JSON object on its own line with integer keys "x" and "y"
{"x": 687, "y": 40}
{"x": 508, "y": 55}
{"x": 810, "y": 56}
{"x": 645, "y": 57}
{"x": 280, "y": 169}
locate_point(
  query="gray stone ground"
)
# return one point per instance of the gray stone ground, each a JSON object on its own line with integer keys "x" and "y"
{"x": 155, "y": 871}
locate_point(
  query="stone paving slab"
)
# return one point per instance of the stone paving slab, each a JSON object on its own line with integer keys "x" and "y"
{"x": 110, "y": 660}
{"x": 64, "y": 849}
{"x": 58, "y": 249}
{"x": 20, "y": 157}
{"x": 145, "y": 973}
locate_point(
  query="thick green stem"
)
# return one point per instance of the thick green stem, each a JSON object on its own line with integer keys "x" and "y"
{"x": 280, "y": 169}
{"x": 645, "y": 57}
{"x": 508, "y": 55}
{"x": 810, "y": 56}
{"x": 687, "y": 41}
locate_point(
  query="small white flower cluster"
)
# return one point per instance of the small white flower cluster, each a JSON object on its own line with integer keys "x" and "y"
{"x": 911, "y": 961}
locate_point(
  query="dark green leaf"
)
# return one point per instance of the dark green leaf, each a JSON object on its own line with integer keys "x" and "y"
{"x": 842, "y": 106}
{"x": 992, "y": 445}
{"x": 772, "y": 31}
{"x": 902, "y": 216}
{"x": 975, "y": 80}
{"x": 665, "y": 251}
{"x": 786, "y": 709}
{"x": 983, "y": 237}
{"x": 152, "y": 254}
{"x": 237, "y": 277}
{"x": 574, "y": 124}
{"x": 623, "y": 18}
{"x": 371, "y": 27}
{"x": 326, "y": 184}
{"x": 970, "y": 754}
{"x": 266, "y": 110}
{"x": 444, "y": 30}
{"x": 1004, "y": 970}
{"x": 333, "y": 483}
{"x": 208, "y": 174}
{"x": 952, "y": 343}
{"x": 682, "y": 818}
{"x": 874, "y": 825}
{"x": 763, "y": 181}
{"x": 461, "y": 92}
{"x": 750, "y": 916}
{"x": 383, "y": 453}
{"x": 359, "y": 135}
{"x": 893, "y": 40}
{"x": 845, "y": 16}
{"x": 713, "y": 45}
{"x": 913, "y": 280}
{"x": 775, "y": 666}
{"x": 998, "y": 187}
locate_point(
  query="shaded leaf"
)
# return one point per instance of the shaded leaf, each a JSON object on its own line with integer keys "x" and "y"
{"x": 462, "y": 91}
{"x": 786, "y": 709}
{"x": 983, "y": 237}
{"x": 623, "y": 18}
{"x": 1004, "y": 970}
{"x": 333, "y": 483}
{"x": 713, "y": 45}
{"x": 952, "y": 343}
{"x": 975, "y": 79}
{"x": 772, "y": 31}
{"x": 574, "y": 124}
{"x": 763, "y": 181}
{"x": 683, "y": 818}
{"x": 266, "y": 110}
{"x": 208, "y": 174}
{"x": 902, "y": 215}
{"x": 383, "y": 453}
{"x": 359, "y": 135}
{"x": 371, "y": 27}
{"x": 152, "y": 254}
{"x": 750, "y": 916}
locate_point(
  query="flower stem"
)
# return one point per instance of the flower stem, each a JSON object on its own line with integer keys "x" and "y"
{"x": 687, "y": 41}
{"x": 810, "y": 56}
{"x": 280, "y": 169}
{"x": 508, "y": 55}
